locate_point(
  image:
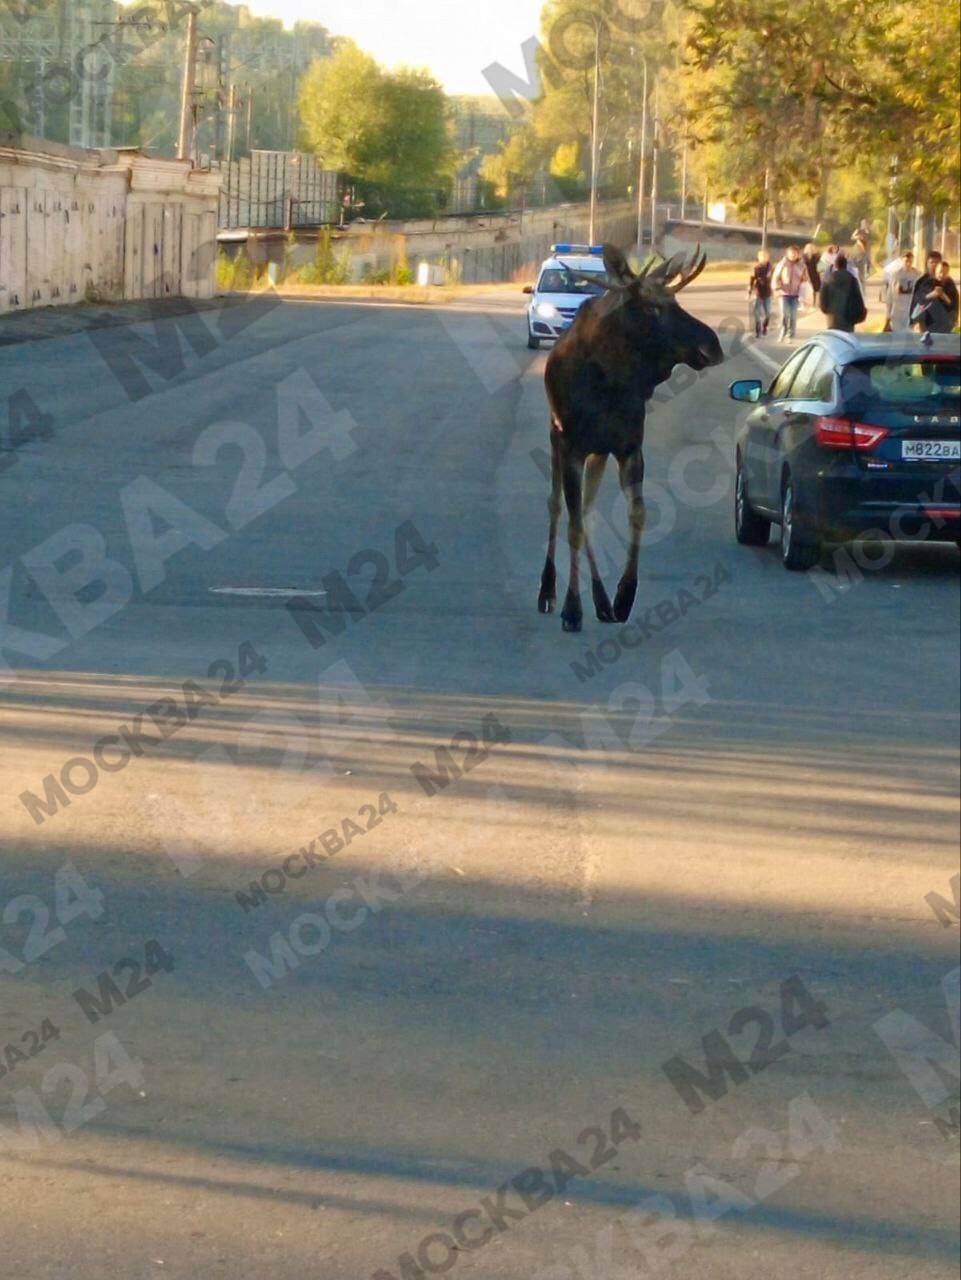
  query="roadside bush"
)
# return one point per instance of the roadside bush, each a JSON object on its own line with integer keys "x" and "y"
{"x": 234, "y": 274}
{"x": 400, "y": 272}
{"x": 328, "y": 266}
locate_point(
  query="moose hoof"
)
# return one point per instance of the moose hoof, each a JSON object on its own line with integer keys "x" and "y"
{"x": 602, "y": 604}
{"x": 624, "y": 602}
{"x": 546, "y": 604}
{"x": 572, "y": 614}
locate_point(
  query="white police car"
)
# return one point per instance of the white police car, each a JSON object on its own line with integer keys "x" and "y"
{"x": 572, "y": 274}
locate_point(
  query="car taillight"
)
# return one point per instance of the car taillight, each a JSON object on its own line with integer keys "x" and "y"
{"x": 842, "y": 433}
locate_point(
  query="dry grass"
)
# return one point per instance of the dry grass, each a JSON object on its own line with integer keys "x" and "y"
{"x": 413, "y": 295}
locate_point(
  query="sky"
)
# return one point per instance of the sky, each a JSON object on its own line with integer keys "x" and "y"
{"x": 456, "y": 40}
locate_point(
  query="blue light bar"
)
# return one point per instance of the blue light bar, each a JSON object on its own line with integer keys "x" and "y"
{"x": 595, "y": 250}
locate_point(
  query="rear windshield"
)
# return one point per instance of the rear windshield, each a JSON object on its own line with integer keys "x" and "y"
{"x": 931, "y": 385}
{"x": 555, "y": 280}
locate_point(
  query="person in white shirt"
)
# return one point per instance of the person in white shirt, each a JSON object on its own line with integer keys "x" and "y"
{"x": 900, "y": 291}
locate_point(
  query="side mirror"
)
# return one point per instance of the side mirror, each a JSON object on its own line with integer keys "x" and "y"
{"x": 528, "y": 288}
{"x": 747, "y": 389}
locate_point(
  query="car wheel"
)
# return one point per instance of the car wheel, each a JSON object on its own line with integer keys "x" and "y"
{"x": 797, "y": 554}
{"x": 533, "y": 344}
{"x": 750, "y": 529}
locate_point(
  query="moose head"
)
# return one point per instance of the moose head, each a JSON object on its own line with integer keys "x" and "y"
{"x": 651, "y": 322}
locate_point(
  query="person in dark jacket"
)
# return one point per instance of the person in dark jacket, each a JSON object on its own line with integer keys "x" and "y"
{"x": 811, "y": 259}
{"x": 759, "y": 289}
{"x": 940, "y": 313}
{"x": 926, "y": 283}
{"x": 841, "y": 298}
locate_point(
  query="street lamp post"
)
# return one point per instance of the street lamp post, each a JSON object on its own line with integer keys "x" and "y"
{"x": 185, "y": 139}
{"x": 767, "y": 181}
{"x": 595, "y": 128}
{"x": 655, "y": 147}
{"x": 642, "y": 176}
{"x": 893, "y": 239}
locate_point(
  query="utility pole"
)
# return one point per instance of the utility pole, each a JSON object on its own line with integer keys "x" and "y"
{"x": 185, "y": 140}
{"x": 595, "y": 129}
{"x": 918, "y": 237}
{"x": 250, "y": 117}
{"x": 684, "y": 180}
{"x": 767, "y": 182}
{"x": 642, "y": 176}
{"x": 223, "y": 69}
{"x": 655, "y": 149}
{"x": 232, "y": 109}
{"x": 893, "y": 239}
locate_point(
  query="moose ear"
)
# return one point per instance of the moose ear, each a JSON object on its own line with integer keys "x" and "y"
{"x": 616, "y": 265}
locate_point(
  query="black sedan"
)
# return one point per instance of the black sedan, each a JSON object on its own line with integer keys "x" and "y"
{"x": 857, "y": 436}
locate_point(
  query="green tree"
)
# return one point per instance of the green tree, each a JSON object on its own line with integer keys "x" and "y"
{"x": 828, "y": 84}
{"x": 388, "y": 131}
{"x": 513, "y": 169}
{"x": 340, "y": 109}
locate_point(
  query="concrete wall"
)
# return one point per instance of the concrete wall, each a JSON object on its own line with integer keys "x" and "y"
{"x": 102, "y": 225}
{"x": 484, "y": 248}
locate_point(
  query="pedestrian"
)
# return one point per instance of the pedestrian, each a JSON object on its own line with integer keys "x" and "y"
{"x": 860, "y": 257}
{"x": 925, "y": 284}
{"x": 827, "y": 261}
{"x": 841, "y": 298}
{"x": 812, "y": 284}
{"x": 900, "y": 293}
{"x": 759, "y": 288}
{"x": 939, "y": 312}
{"x": 787, "y": 280}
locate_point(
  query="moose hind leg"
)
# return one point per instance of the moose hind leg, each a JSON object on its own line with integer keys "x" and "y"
{"x": 573, "y": 478}
{"x": 632, "y": 482}
{"x": 593, "y": 476}
{"x": 547, "y": 599}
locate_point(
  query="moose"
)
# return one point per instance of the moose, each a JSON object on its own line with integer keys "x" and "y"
{"x": 599, "y": 378}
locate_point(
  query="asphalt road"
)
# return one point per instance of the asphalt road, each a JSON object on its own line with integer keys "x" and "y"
{"x": 724, "y": 824}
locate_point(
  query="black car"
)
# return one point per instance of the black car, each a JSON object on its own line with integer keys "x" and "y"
{"x": 855, "y": 436}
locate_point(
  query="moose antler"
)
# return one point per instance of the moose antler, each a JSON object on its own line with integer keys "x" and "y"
{"x": 687, "y": 273}
{"x": 669, "y": 269}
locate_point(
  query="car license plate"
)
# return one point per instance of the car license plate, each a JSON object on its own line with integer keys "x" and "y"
{"x": 931, "y": 450}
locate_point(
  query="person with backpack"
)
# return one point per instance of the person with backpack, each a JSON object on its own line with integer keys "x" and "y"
{"x": 841, "y": 298}
{"x": 789, "y": 275}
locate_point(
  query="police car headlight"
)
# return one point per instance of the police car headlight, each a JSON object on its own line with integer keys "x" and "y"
{"x": 546, "y": 311}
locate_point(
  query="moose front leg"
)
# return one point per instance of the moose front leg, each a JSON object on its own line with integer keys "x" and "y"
{"x": 632, "y": 482}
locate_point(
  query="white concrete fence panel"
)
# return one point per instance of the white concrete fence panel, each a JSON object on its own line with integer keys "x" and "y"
{"x": 104, "y": 226}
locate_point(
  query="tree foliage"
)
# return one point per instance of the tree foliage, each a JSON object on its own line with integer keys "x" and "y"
{"x": 828, "y": 84}
{"x": 387, "y": 130}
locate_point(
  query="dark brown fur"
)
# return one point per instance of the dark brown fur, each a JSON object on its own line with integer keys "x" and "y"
{"x": 599, "y": 379}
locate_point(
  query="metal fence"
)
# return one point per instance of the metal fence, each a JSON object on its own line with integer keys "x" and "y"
{"x": 277, "y": 189}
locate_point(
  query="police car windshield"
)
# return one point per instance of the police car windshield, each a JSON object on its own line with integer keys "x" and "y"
{"x": 569, "y": 280}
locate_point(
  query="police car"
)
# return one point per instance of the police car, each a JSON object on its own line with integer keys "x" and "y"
{"x": 572, "y": 274}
